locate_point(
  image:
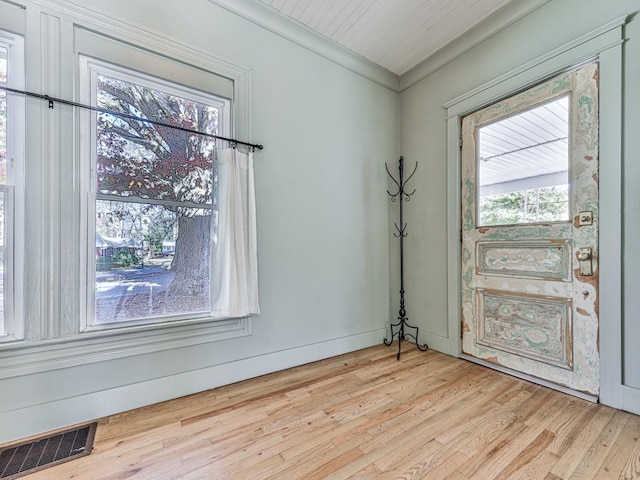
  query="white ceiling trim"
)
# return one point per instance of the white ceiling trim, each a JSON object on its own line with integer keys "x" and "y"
{"x": 270, "y": 19}
{"x": 305, "y": 37}
{"x": 485, "y": 29}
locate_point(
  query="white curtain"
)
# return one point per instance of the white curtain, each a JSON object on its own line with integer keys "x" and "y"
{"x": 235, "y": 267}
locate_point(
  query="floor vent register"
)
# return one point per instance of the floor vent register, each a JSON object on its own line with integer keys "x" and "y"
{"x": 29, "y": 457}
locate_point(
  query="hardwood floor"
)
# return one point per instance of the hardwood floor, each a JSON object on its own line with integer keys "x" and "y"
{"x": 365, "y": 415}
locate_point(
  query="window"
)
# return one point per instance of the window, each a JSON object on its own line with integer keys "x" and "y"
{"x": 11, "y": 165}
{"x": 3, "y": 181}
{"x": 49, "y": 258}
{"x": 523, "y": 167}
{"x": 153, "y": 192}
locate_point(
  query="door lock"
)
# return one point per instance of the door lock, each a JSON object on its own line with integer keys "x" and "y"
{"x": 585, "y": 255}
{"x": 585, "y": 218}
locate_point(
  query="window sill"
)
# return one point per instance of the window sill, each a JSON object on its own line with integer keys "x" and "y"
{"x": 31, "y": 357}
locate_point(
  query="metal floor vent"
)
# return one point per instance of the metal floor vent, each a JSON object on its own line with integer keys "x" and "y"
{"x": 29, "y": 457}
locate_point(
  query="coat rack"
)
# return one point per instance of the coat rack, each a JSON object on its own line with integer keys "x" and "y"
{"x": 401, "y": 196}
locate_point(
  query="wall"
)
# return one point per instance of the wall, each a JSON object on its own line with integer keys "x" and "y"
{"x": 323, "y": 229}
{"x": 424, "y": 139}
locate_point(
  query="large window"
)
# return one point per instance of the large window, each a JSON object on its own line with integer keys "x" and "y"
{"x": 108, "y": 225}
{"x": 154, "y": 198}
{"x": 11, "y": 165}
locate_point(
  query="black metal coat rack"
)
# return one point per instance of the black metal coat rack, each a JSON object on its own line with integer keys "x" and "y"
{"x": 399, "y": 329}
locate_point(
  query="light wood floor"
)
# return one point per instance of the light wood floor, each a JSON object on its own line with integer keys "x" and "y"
{"x": 367, "y": 416}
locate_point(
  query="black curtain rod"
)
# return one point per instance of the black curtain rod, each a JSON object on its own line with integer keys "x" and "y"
{"x": 62, "y": 101}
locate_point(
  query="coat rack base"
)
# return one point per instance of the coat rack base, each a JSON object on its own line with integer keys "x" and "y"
{"x": 398, "y": 330}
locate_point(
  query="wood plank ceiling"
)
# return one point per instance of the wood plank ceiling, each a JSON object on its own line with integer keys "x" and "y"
{"x": 533, "y": 144}
{"x": 396, "y": 34}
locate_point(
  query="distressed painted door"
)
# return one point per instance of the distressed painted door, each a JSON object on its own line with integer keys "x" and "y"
{"x": 529, "y": 232}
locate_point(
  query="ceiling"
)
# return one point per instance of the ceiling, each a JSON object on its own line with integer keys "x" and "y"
{"x": 525, "y": 151}
{"x": 395, "y": 34}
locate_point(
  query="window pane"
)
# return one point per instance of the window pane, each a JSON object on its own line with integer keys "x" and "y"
{"x": 546, "y": 204}
{"x": 506, "y": 208}
{"x": 523, "y": 164}
{"x": 3, "y": 116}
{"x": 155, "y": 200}
{"x": 151, "y": 260}
{"x": 139, "y": 159}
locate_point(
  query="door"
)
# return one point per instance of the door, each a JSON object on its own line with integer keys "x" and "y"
{"x": 529, "y": 232}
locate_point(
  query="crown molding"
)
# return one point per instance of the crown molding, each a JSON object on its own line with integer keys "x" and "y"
{"x": 478, "y": 34}
{"x": 262, "y": 16}
{"x": 583, "y": 49}
{"x": 271, "y": 20}
{"x": 305, "y": 37}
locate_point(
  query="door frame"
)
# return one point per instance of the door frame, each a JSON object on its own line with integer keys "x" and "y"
{"x": 603, "y": 45}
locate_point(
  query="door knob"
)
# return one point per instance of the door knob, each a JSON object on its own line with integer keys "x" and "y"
{"x": 585, "y": 255}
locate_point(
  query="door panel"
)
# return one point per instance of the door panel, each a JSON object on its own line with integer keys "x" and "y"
{"x": 530, "y": 232}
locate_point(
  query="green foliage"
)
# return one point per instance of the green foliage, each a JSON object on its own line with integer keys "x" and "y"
{"x": 548, "y": 204}
{"x": 124, "y": 258}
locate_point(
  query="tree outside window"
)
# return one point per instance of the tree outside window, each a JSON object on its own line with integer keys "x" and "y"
{"x": 155, "y": 208}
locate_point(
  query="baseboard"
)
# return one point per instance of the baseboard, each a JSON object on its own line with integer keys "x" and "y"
{"x": 37, "y": 419}
{"x": 438, "y": 343}
{"x": 630, "y": 399}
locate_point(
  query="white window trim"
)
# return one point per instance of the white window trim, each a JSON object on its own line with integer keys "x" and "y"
{"x": 90, "y": 68}
{"x": 14, "y": 192}
{"x": 36, "y": 355}
{"x": 26, "y": 358}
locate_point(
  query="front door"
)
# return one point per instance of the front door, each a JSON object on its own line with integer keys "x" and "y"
{"x": 529, "y": 232}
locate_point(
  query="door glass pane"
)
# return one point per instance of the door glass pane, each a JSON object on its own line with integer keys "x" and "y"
{"x": 523, "y": 164}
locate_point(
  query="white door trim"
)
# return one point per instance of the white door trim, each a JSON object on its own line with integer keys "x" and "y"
{"x": 539, "y": 69}
{"x": 604, "y": 44}
{"x": 611, "y": 292}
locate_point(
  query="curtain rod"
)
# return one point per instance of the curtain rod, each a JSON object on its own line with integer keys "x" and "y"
{"x": 62, "y": 101}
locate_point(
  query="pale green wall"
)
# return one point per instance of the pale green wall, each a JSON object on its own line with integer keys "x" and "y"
{"x": 323, "y": 248}
{"x": 323, "y": 214}
{"x": 424, "y": 139}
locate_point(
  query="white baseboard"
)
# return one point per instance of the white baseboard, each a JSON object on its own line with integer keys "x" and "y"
{"x": 630, "y": 399}
{"x": 438, "y": 343}
{"x": 34, "y": 420}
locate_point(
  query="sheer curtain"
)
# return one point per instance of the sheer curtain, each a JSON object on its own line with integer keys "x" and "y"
{"x": 235, "y": 267}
